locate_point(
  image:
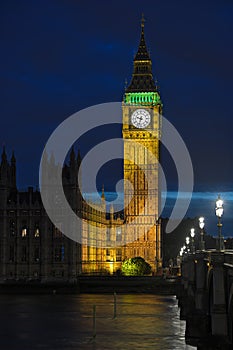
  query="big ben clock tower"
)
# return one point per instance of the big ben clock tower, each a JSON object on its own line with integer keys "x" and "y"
{"x": 142, "y": 108}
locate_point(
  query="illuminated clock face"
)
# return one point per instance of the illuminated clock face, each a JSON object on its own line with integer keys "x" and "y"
{"x": 140, "y": 118}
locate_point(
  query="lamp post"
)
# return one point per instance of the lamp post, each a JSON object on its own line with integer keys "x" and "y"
{"x": 192, "y": 234}
{"x": 187, "y": 241}
{"x": 201, "y": 225}
{"x": 219, "y": 214}
{"x": 184, "y": 249}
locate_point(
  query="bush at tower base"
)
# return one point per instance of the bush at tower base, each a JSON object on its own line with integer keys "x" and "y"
{"x": 135, "y": 267}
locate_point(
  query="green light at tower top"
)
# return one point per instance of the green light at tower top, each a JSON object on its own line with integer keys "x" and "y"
{"x": 143, "y": 98}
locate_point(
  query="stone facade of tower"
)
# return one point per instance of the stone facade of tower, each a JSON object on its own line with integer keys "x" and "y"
{"x": 141, "y": 108}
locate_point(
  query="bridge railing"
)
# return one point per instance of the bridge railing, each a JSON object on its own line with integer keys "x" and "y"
{"x": 206, "y": 297}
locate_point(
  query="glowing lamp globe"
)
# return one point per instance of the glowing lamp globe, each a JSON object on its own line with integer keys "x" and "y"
{"x": 192, "y": 233}
{"x": 219, "y": 207}
{"x": 201, "y": 223}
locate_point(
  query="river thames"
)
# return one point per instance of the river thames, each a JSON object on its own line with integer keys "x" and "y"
{"x": 65, "y": 322}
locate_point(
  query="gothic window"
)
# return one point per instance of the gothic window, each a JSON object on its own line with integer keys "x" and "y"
{"x": 37, "y": 233}
{"x": 37, "y": 254}
{"x": 108, "y": 255}
{"x": 12, "y": 227}
{"x": 118, "y": 234}
{"x": 108, "y": 234}
{"x": 24, "y": 254}
{"x": 59, "y": 253}
{"x": 24, "y": 232}
{"x": 118, "y": 255}
{"x": 62, "y": 253}
{"x": 12, "y": 253}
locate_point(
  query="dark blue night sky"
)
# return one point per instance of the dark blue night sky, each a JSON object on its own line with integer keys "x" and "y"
{"x": 58, "y": 57}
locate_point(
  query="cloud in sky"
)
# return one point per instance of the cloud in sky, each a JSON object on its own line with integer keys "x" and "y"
{"x": 202, "y": 204}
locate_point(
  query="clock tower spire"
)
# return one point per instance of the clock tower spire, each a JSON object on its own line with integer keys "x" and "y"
{"x": 141, "y": 109}
{"x": 142, "y": 79}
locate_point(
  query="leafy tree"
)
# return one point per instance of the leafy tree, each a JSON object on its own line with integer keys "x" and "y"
{"x": 135, "y": 267}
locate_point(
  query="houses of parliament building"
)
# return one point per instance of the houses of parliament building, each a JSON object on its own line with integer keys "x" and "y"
{"x": 33, "y": 248}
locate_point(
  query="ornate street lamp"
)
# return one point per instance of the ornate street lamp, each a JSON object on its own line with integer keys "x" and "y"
{"x": 192, "y": 234}
{"x": 201, "y": 225}
{"x": 219, "y": 214}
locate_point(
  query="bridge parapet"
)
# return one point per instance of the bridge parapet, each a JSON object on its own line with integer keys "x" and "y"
{"x": 206, "y": 298}
{"x": 228, "y": 255}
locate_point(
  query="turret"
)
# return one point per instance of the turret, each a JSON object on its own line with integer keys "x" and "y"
{"x": 79, "y": 184}
{"x": 111, "y": 213}
{"x": 103, "y": 202}
{"x": 72, "y": 158}
{"x": 4, "y": 169}
{"x": 103, "y": 195}
{"x": 79, "y": 159}
{"x": 13, "y": 170}
{"x": 7, "y": 177}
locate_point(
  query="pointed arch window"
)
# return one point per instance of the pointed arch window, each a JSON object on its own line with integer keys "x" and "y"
{"x": 37, "y": 232}
{"x": 12, "y": 227}
{"x": 24, "y": 232}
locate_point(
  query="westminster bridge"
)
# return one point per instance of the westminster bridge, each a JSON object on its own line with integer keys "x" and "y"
{"x": 206, "y": 298}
